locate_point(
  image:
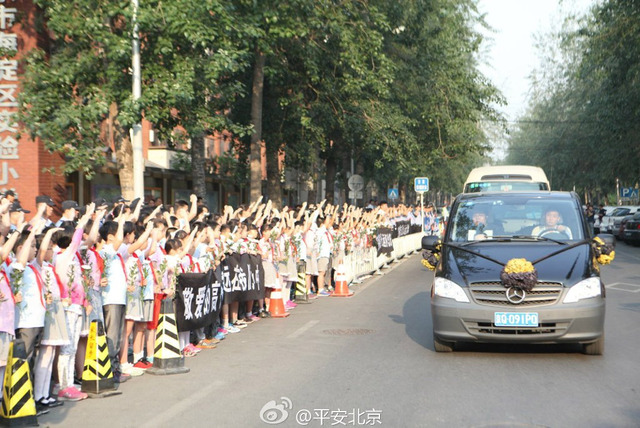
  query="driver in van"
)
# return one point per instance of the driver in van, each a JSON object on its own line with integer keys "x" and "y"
{"x": 552, "y": 224}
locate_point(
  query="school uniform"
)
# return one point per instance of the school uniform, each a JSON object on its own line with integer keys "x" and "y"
{"x": 114, "y": 300}
{"x": 30, "y": 312}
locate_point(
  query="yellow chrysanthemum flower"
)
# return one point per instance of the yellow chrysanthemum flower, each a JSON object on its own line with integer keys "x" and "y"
{"x": 518, "y": 266}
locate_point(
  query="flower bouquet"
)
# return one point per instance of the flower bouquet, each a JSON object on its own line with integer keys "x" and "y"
{"x": 604, "y": 252}
{"x": 519, "y": 273}
{"x": 430, "y": 258}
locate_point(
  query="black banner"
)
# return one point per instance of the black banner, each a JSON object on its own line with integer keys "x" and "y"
{"x": 242, "y": 278}
{"x": 384, "y": 240}
{"x": 403, "y": 227}
{"x": 198, "y": 300}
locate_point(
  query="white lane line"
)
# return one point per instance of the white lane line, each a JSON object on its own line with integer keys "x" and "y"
{"x": 183, "y": 406}
{"x": 624, "y": 286}
{"x": 302, "y": 329}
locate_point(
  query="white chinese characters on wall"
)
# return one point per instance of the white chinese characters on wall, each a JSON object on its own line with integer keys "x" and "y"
{"x": 8, "y": 96}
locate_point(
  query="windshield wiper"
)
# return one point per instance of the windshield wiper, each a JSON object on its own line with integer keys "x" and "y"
{"x": 539, "y": 238}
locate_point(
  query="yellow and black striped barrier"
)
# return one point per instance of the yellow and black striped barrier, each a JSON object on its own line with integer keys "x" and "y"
{"x": 167, "y": 358}
{"x": 301, "y": 295}
{"x": 18, "y": 405}
{"x": 97, "y": 376}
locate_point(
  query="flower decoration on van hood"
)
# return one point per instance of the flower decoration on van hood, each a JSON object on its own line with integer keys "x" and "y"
{"x": 604, "y": 252}
{"x": 519, "y": 273}
{"x": 430, "y": 258}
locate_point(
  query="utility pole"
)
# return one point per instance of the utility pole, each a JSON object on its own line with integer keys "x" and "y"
{"x": 136, "y": 140}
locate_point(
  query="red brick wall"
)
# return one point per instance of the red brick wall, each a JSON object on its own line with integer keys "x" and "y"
{"x": 23, "y": 174}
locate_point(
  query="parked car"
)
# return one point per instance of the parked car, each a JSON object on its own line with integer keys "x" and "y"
{"x": 474, "y": 300}
{"x": 631, "y": 234}
{"x": 506, "y": 178}
{"x": 618, "y": 226}
{"x": 607, "y": 225}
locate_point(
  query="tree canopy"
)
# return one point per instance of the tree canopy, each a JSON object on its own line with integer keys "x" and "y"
{"x": 393, "y": 85}
{"x": 583, "y": 123}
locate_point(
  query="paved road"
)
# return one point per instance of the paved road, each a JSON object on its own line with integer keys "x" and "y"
{"x": 371, "y": 357}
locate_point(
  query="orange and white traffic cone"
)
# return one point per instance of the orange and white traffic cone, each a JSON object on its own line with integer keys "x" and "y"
{"x": 341, "y": 288}
{"x": 276, "y": 304}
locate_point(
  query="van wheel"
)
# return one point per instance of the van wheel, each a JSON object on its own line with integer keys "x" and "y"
{"x": 594, "y": 348}
{"x": 442, "y": 346}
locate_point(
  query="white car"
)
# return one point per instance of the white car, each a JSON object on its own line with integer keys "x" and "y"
{"x": 608, "y": 222}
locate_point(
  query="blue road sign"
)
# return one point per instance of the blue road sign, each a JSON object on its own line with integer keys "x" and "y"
{"x": 392, "y": 194}
{"x": 628, "y": 193}
{"x": 421, "y": 184}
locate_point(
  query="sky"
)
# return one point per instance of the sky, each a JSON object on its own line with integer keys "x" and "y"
{"x": 511, "y": 55}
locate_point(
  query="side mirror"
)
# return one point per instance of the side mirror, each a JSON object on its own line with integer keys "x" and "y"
{"x": 430, "y": 242}
{"x": 607, "y": 238}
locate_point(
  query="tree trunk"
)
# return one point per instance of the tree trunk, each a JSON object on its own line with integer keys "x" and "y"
{"x": 330, "y": 178}
{"x": 256, "y": 121}
{"x": 197, "y": 165}
{"x": 124, "y": 153}
{"x": 274, "y": 186}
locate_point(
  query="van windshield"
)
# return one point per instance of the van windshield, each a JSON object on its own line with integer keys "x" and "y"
{"x": 504, "y": 186}
{"x": 499, "y": 216}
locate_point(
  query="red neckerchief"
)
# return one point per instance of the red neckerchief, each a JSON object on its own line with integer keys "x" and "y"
{"x": 39, "y": 282}
{"x": 329, "y": 236}
{"x": 191, "y": 264}
{"x": 164, "y": 252}
{"x": 79, "y": 258}
{"x": 98, "y": 260}
{"x": 124, "y": 269}
{"x": 292, "y": 243}
{"x": 4, "y": 274}
{"x": 8, "y": 260}
{"x": 60, "y": 286}
{"x": 139, "y": 266}
{"x": 155, "y": 279}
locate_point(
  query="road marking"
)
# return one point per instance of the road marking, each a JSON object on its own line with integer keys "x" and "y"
{"x": 302, "y": 329}
{"x": 183, "y": 406}
{"x": 624, "y": 286}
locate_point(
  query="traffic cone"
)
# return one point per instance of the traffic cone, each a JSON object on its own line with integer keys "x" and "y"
{"x": 341, "y": 287}
{"x": 18, "y": 405}
{"x": 301, "y": 289}
{"x": 276, "y": 304}
{"x": 97, "y": 376}
{"x": 167, "y": 358}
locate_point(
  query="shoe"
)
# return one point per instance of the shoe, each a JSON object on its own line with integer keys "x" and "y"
{"x": 223, "y": 331}
{"x": 122, "y": 377}
{"x": 240, "y": 324}
{"x": 41, "y": 409}
{"x": 220, "y": 336}
{"x": 205, "y": 344}
{"x": 268, "y": 314}
{"x": 262, "y": 314}
{"x": 129, "y": 369}
{"x": 254, "y": 317}
{"x": 193, "y": 348}
{"x": 50, "y": 402}
{"x": 71, "y": 394}
{"x": 213, "y": 341}
{"x": 143, "y": 364}
{"x": 248, "y": 320}
{"x": 290, "y": 304}
{"x": 324, "y": 292}
{"x": 233, "y": 329}
{"x": 188, "y": 352}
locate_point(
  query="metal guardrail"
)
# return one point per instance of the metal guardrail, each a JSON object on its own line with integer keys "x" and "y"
{"x": 365, "y": 261}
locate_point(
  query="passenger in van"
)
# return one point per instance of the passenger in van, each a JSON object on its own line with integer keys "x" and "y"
{"x": 481, "y": 227}
{"x": 552, "y": 224}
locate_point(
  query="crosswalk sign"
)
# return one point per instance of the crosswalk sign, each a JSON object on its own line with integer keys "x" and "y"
{"x": 392, "y": 194}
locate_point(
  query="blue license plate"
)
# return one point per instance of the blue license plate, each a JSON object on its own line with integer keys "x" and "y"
{"x": 515, "y": 319}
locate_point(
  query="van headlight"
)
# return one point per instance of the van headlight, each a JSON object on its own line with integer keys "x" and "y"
{"x": 444, "y": 288}
{"x": 585, "y": 289}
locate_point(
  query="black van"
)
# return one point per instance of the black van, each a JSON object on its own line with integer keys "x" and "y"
{"x": 517, "y": 268}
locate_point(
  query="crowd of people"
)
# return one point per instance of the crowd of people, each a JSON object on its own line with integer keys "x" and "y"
{"x": 116, "y": 261}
